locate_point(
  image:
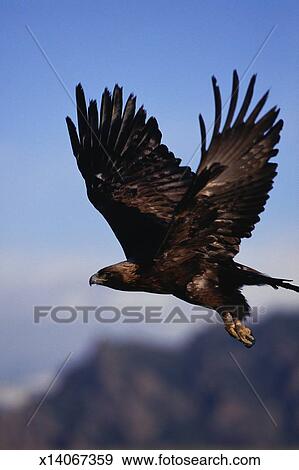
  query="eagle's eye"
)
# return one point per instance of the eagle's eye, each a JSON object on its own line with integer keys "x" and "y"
{"x": 105, "y": 276}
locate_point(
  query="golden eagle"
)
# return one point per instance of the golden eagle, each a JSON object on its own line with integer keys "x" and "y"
{"x": 180, "y": 230}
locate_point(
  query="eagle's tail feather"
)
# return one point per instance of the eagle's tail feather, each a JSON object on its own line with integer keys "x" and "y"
{"x": 249, "y": 276}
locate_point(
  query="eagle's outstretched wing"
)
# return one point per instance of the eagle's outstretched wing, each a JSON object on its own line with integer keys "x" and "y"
{"x": 231, "y": 187}
{"x": 133, "y": 180}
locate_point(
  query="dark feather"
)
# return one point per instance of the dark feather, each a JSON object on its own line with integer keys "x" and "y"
{"x": 233, "y": 101}
{"x": 105, "y": 120}
{"x": 217, "y": 98}
{"x": 246, "y": 102}
{"x": 203, "y": 134}
{"x": 115, "y": 116}
{"x": 81, "y": 113}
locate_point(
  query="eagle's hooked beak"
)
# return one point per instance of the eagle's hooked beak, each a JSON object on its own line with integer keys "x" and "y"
{"x": 99, "y": 278}
{"x": 94, "y": 279}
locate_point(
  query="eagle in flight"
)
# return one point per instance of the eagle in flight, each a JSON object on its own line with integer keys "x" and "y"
{"x": 180, "y": 229}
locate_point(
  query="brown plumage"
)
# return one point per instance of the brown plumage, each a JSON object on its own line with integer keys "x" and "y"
{"x": 180, "y": 230}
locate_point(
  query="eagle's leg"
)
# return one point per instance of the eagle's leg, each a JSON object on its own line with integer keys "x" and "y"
{"x": 237, "y": 329}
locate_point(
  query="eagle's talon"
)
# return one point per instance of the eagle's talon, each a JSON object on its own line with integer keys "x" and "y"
{"x": 232, "y": 331}
{"x": 238, "y": 330}
{"x": 245, "y": 334}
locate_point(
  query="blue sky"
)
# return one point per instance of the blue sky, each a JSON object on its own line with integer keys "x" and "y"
{"x": 166, "y": 52}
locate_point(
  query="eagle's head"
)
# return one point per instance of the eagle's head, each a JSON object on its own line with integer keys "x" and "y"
{"x": 120, "y": 276}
